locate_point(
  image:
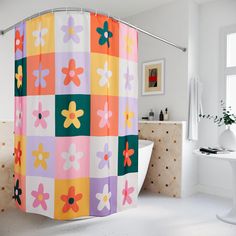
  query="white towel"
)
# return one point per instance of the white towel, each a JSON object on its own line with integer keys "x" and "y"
{"x": 195, "y": 107}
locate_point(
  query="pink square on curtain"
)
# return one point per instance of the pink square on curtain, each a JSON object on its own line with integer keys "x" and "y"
{"x": 128, "y": 43}
{"x": 20, "y": 115}
{"x": 72, "y": 157}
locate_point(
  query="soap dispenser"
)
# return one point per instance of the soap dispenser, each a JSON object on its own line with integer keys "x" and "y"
{"x": 151, "y": 115}
{"x": 166, "y": 115}
{"x": 161, "y": 116}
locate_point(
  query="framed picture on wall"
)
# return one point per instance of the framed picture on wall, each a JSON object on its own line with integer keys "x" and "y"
{"x": 153, "y": 77}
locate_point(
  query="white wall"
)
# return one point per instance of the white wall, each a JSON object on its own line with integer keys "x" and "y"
{"x": 7, "y": 77}
{"x": 214, "y": 176}
{"x": 171, "y": 22}
{"x": 193, "y": 39}
{"x": 190, "y": 162}
{"x": 178, "y": 22}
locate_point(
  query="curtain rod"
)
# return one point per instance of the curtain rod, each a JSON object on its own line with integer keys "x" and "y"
{"x": 2, "y": 32}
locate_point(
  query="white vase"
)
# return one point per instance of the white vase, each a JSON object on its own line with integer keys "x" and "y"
{"x": 227, "y": 139}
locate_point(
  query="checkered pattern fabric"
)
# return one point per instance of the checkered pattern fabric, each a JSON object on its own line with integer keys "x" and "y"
{"x": 76, "y": 143}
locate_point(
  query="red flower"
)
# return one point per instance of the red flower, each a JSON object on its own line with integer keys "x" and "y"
{"x": 127, "y": 153}
{"x": 18, "y": 41}
{"x": 71, "y": 200}
{"x": 72, "y": 73}
{"x": 18, "y": 153}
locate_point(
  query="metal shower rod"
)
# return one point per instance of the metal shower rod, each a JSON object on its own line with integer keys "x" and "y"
{"x": 2, "y": 32}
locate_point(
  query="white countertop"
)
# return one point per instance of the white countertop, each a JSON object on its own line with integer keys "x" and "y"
{"x": 231, "y": 156}
{"x": 162, "y": 122}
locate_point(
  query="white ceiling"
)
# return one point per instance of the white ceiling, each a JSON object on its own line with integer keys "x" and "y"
{"x": 19, "y": 9}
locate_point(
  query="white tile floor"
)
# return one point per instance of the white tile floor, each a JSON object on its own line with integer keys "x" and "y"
{"x": 155, "y": 216}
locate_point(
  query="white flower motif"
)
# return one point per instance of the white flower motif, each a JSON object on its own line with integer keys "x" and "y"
{"x": 105, "y": 115}
{"x": 105, "y": 75}
{"x": 18, "y": 118}
{"x": 71, "y": 158}
{"x": 104, "y": 199}
{"x": 39, "y": 35}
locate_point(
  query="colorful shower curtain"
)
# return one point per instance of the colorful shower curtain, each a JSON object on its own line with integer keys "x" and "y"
{"x": 76, "y": 144}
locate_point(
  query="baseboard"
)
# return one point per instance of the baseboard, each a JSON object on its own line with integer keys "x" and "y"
{"x": 221, "y": 192}
{"x": 189, "y": 191}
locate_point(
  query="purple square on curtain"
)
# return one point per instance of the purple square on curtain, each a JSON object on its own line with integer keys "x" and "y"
{"x": 72, "y": 73}
{"x": 20, "y": 41}
{"x": 103, "y": 196}
{"x": 128, "y": 116}
{"x": 40, "y": 159}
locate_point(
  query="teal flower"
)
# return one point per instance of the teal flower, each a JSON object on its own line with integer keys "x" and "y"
{"x": 105, "y": 34}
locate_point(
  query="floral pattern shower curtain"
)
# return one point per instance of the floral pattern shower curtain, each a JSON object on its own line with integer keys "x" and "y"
{"x": 76, "y": 145}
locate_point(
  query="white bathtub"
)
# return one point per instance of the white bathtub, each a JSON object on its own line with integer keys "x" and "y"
{"x": 144, "y": 157}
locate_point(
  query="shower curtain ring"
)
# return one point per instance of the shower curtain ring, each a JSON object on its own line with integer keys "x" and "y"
{"x": 81, "y": 10}
{"x": 96, "y": 12}
{"x": 108, "y": 15}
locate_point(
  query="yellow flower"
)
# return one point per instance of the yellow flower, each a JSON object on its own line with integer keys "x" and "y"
{"x": 129, "y": 44}
{"x": 128, "y": 116}
{"x": 40, "y": 157}
{"x": 72, "y": 115}
{"x": 19, "y": 76}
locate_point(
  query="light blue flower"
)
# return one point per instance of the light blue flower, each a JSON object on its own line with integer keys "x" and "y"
{"x": 40, "y": 74}
{"x": 128, "y": 79}
{"x": 71, "y": 31}
{"x": 104, "y": 156}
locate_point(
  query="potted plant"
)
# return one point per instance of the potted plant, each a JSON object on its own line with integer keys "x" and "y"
{"x": 227, "y": 139}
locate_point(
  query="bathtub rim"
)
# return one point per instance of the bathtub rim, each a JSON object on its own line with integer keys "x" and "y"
{"x": 144, "y": 143}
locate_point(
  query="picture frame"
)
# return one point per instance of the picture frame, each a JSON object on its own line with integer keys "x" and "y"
{"x": 153, "y": 77}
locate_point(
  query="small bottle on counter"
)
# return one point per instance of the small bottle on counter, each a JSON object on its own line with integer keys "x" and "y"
{"x": 161, "y": 116}
{"x": 166, "y": 115}
{"x": 151, "y": 115}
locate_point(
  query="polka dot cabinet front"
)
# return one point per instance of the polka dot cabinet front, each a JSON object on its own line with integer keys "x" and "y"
{"x": 164, "y": 173}
{"x": 6, "y": 165}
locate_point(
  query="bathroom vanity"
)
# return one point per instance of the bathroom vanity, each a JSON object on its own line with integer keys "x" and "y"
{"x": 172, "y": 169}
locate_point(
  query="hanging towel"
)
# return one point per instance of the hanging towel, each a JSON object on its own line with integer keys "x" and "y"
{"x": 195, "y": 107}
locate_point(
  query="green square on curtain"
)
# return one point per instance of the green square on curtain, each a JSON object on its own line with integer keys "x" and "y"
{"x": 20, "y": 77}
{"x": 128, "y": 154}
{"x": 72, "y": 115}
